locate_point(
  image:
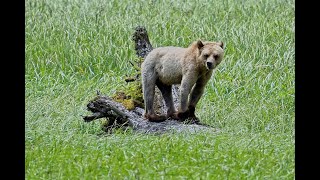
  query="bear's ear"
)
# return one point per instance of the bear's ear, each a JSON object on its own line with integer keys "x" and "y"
{"x": 199, "y": 44}
{"x": 220, "y": 44}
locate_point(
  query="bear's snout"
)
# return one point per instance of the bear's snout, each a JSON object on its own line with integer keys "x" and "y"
{"x": 210, "y": 65}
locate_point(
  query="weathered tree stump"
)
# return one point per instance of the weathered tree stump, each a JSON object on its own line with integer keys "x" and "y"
{"x": 120, "y": 117}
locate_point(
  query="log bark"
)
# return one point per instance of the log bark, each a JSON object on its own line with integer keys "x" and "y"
{"x": 120, "y": 117}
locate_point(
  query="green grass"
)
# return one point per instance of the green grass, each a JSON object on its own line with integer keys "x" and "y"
{"x": 74, "y": 48}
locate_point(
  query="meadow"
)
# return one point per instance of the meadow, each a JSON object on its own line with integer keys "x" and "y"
{"x": 75, "y": 47}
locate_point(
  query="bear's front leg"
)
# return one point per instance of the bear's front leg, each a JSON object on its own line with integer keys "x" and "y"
{"x": 188, "y": 116}
{"x": 188, "y": 80}
{"x": 180, "y": 116}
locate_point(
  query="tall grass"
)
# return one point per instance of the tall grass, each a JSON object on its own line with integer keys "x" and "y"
{"x": 74, "y": 47}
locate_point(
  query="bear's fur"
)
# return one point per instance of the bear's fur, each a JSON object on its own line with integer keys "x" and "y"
{"x": 191, "y": 67}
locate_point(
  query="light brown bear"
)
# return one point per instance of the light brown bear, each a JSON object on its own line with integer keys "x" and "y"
{"x": 191, "y": 67}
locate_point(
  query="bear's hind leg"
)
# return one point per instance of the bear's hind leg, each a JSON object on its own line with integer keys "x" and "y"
{"x": 166, "y": 91}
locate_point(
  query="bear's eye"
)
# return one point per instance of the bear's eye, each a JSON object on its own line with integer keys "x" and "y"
{"x": 216, "y": 56}
{"x": 206, "y": 55}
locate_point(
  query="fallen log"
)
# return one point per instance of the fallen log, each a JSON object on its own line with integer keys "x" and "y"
{"x": 119, "y": 116}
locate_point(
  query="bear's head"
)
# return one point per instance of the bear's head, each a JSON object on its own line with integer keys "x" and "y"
{"x": 210, "y": 53}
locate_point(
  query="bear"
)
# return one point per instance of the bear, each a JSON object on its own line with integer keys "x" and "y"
{"x": 191, "y": 67}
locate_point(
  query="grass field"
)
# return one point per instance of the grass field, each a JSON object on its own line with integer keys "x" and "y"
{"x": 75, "y": 47}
